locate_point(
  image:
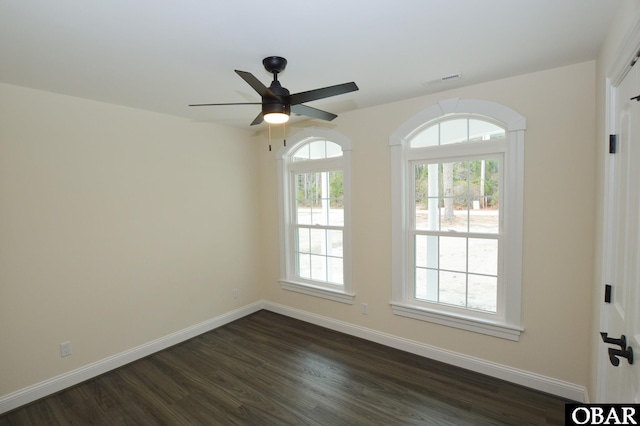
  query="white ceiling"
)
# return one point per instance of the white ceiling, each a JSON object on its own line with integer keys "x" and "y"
{"x": 162, "y": 55}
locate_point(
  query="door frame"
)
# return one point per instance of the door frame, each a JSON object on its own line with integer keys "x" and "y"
{"x": 628, "y": 53}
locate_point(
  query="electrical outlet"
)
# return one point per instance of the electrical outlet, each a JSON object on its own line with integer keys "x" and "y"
{"x": 235, "y": 293}
{"x": 65, "y": 349}
{"x": 365, "y": 309}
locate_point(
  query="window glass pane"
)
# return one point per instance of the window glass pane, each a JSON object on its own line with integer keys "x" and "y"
{"x": 303, "y": 239}
{"x": 484, "y": 213}
{"x": 421, "y": 177}
{"x": 301, "y": 154}
{"x": 426, "y": 251}
{"x": 335, "y": 270}
{"x": 453, "y": 253}
{"x": 318, "y": 241}
{"x": 336, "y": 201}
{"x": 483, "y": 256}
{"x": 484, "y": 220}
{"x": 313, "y": 193}
{"x": 333, "y": 150}
{"x": 303, "y": 212}
{"x": 453, "y": 131}
{"x": 303, "y": 265}
{"x": 456, "y": 131}
{"x": 427, "y": 137}
{"x": 426, "y": 284}
{"x": 319, "y": 268}
{"x": 420, "y": 283}
{"x": 470, "y": 192}
{"x": 460, "y": 178}
{"x": 480, "y": 130}
{"x": 318, "y": 204}
{"x": 306, "y": 192}
{"x": 318, "y": 216}
{"x": 453, "y": 288}
{"x": 433, "y": 285}
{"x": 490, "y": 177}
{"x": 432, "y": 251}
{"x": 452, "y": 219}
{"x": 335, "y": 247}
{"x": 430, "y": 218}
{"x": 483, "y": 293}
{"x": 427, "y": 212}
{"x": 420, "y": 251}
{"x": 317, "y": 150}
{"x": 454, "y": 185}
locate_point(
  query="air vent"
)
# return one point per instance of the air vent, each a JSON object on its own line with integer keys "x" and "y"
{"x": 449, "y": 77}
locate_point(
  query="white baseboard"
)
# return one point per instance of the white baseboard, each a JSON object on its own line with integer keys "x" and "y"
{"x": 510, "y": 374}
{"x": 63, "y": 381}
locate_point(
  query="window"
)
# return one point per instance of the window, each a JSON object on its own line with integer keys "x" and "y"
{"x": 457, "y": 220}
{"x": 315, "y": 215}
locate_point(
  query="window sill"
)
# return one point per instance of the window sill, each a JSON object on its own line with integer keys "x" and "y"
{"x": 311, "y": 290}
{"x": 502, "y": 331}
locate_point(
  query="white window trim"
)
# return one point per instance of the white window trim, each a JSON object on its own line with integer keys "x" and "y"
{"x": 510, "y": 326}
{"x": 287, "y": 276}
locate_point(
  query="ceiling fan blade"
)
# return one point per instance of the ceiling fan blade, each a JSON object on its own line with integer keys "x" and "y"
{"x": 258, "y": 119}
{"x": 325, "y": 92}
{"x": 255, "y": 83}
{"x": 312, "y": 112}
{"x": 232, "y": 103}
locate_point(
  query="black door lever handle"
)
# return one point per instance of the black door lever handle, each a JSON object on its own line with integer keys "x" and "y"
{"x": 615, "y": 353}
{"x": 622, "y": 341}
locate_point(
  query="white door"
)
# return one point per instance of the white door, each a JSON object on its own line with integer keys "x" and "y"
{"x": 621, "y": 383}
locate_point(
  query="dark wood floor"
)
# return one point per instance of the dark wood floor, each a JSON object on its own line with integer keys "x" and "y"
{"x": 267, "y": 369}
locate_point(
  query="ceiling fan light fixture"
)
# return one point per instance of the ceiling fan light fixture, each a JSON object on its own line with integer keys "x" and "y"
{"x": 276, "y": 118}
{"x": 276, "y": 111}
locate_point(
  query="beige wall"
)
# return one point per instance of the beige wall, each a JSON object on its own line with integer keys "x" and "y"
{"x": 559, "y": 106}
{"x": 117, "y": 227}
{"x": 626, "y": 19}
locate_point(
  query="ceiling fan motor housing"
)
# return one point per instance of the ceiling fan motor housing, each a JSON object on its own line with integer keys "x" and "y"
{"x": 279, "y": 103}
{"x": 276, "y": 107}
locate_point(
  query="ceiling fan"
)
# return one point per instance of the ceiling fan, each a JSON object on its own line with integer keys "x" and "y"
{"x": 277, "y": 103}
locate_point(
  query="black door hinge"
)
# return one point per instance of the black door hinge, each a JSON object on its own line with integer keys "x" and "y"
{"x": 612, "y": 144}
{"x": 607, "y": 293}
